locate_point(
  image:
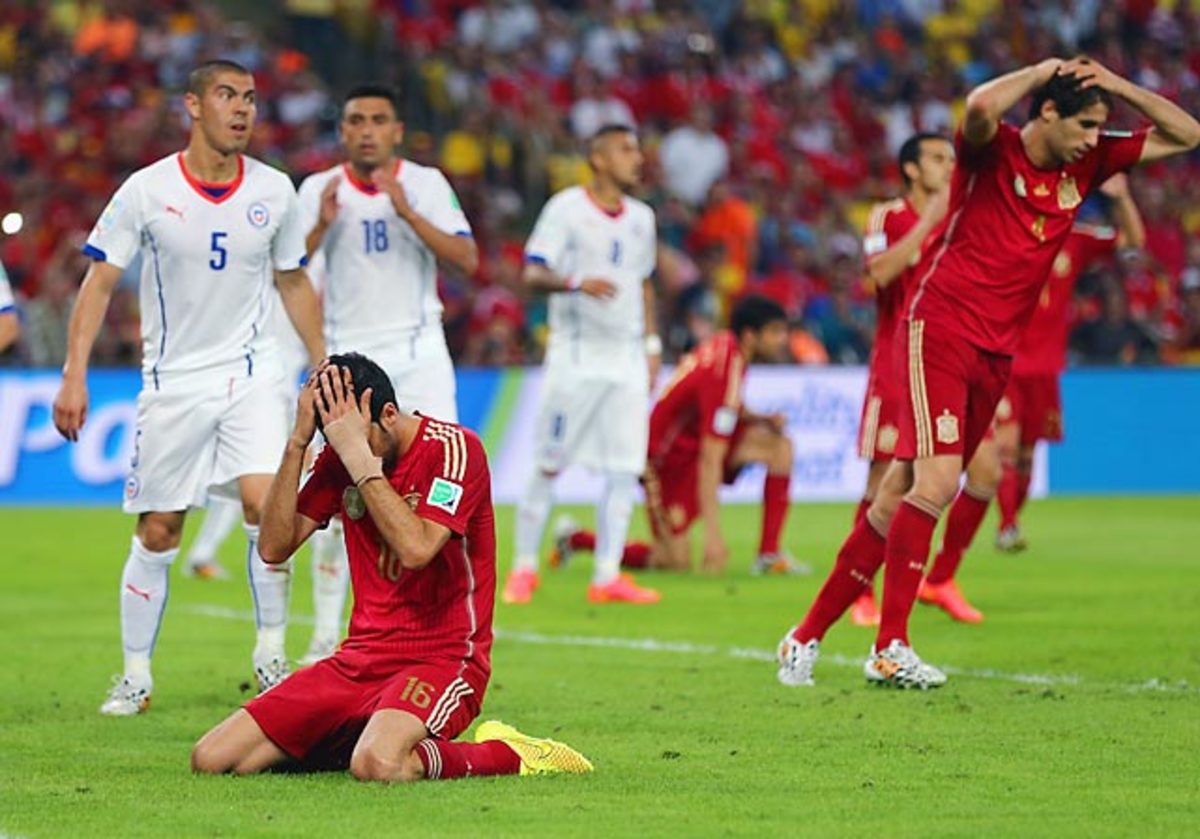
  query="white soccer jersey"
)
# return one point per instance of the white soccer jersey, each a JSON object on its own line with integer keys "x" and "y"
{"x": 380, "y": 279}
{"x": 207, "y": 263}
{"x": 7, "y": 304}
{"x": 576, "y": 237}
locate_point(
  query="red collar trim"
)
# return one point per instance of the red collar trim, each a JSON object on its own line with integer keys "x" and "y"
{"x": 366, "y": 187}
{"x": 612, "y": 214}
{"x": 199, "y": 185}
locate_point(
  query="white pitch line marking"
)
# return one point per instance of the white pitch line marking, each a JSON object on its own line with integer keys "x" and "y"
{"x": 654, "y": 645}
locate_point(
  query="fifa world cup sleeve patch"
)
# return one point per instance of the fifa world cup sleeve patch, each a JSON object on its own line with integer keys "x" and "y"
{"x": 444, "y": 495}
{"x": 724, "y": 421}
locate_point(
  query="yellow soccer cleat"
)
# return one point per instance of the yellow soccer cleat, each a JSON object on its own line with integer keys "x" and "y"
{"x": 538, "y": 756}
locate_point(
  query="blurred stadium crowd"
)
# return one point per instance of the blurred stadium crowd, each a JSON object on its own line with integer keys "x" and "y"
{"x": 770, "y": 127}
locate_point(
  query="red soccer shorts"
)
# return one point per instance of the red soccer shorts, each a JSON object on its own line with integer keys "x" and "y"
{"x": 317, "y": 714}
{"x": 1033, "y": 402}
{"x": 671, "y": 482}
{"x": 950, "y": 392}
{"x": 879, "y": 430}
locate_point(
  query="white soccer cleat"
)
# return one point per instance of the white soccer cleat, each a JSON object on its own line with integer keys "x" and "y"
{"x": 779, "y": 563}
{"x": 126, "y": 699}
{"x": 318, "y": 649}
{"x": 899, "y": 666}
{"x": 565, "y": 527}
{"x": 270, "y": 672}
{"x": 796, "y": 660}
{"x": 1009, "y": 540}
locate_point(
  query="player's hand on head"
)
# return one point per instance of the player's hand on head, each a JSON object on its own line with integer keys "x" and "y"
{"x": 306, "y": 409}
{"x": 1090, "y": 73}
{"x": 70, "y": 407}
{"x": 598, "y": 287}
{"x": 329, "y": 202}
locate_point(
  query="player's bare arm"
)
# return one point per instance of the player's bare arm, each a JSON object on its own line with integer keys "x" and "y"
{"x": 885, "y": 267}
{"x": 282, "y": 530}
{"x": 325, "y": 217}
{"x": 459, "y": 251}
{"x": 1175, "y": 131}
{"x": 303, "y": 310}
{"x": 71, "y": 403}
{"x": 712, "y": 461}
{"x": 654, "y": 346}
{"x": 988, "y": 103}
{"x": 10, "y": 330}
{"x": 1131, "y": 231}
{"x": 344, "y": 418}
{"x": 540, "y": 278}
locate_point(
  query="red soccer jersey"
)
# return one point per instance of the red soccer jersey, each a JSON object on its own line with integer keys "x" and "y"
{"x": 1007, "y": 221}
{"x": 703, "y": 398}
{"x": 1043, "y": 348}
{"x": 444, "y": 610}
{"x": 890, "y": 222}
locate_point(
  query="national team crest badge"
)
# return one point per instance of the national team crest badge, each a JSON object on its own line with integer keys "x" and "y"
{"x": 1068, "y": 194}
{"x": 352, "y": 502}
{"x": 947, "y": 428}
{"x": 258, "y": 215}
{"x": 1062, "y": 264}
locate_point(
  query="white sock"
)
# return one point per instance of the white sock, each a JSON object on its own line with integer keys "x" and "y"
{"x": 145, "y": 584}
{"x": 331, "y": 579}
{"x": 270, "y": 586}
{"x": 612, "y": 525}
{"x": 532, "y": 513}
{"x": 220, "y": 518}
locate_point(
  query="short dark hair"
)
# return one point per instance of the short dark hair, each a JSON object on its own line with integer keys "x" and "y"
{"x": 201, "y": 79}
{"x": 607, "y": 130}
{"x": 754, "y": 312}
{"x": 1068, "y": 95}
{"x": 365, "y": 373}
{"x": 910, "y": 152}
{"x": 373, "y": 90}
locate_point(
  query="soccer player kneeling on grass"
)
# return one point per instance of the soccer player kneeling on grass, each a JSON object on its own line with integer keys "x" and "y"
{"x": 414, "y": 495}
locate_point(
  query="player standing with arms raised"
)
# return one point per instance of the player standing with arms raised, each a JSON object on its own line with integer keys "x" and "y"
{"x": 415, "y": 497}
{"x": 1013, "y": 202}
{"x": 593, "y": 250}
{"x": 213, "y": 228}
{"x": 382, "y": 224}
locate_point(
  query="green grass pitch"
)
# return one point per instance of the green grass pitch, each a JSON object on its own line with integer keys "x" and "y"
{"x": 1073, "y": 710}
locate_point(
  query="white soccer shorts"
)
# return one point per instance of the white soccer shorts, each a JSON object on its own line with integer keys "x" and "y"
{"x": 596, "y": 421}
{"x": 191, "y": 439}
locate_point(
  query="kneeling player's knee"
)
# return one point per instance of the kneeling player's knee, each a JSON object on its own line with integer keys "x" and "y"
{"x": 207, "y": 761}
{"x": 369, "y": 765}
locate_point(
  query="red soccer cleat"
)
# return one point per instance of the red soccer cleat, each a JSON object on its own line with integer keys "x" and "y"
{"x": 520, "y": 586}
{"x": 865, "y": 612}
{"x": 622, "y": 590}
{"x": 947, "y": 597}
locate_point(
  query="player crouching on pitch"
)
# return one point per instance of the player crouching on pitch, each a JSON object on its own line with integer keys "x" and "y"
{"x": 415, "y": 498}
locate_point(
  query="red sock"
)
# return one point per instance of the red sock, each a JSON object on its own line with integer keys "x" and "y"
{"x": 861, "y": 509}
{"x": 637, "y": 555}
{"x": 775, "y": 508}
{"x": 444, "y": 760}
{"x": 582, "y": 540}
{"x": 907, "y": 548}
{"x": 857, "y": 561}
{"x": 1023, "y": 479}
{"x": 966, "y": 514}
{"x": 1006, "y": 496}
